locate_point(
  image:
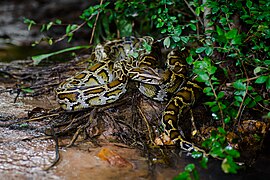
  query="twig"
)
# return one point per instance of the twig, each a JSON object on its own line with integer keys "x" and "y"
{"x": 57, "y": 154}
{"x": 39, "y": 118}
{"x": 247, "y": 80}
{"x": 241, "y": 105}
{"x": 259, "y": 103}
{"x": 194, "y": 12}
{"x": 95, "y": 24}
{"x": 27, "y": 120}
{"x": 206, "y": 21}
{"x": 219, "y": 106}
{"x": 82, "y": 128}
{"x": 78, "y": 27}
{"x": 147, "y": 124}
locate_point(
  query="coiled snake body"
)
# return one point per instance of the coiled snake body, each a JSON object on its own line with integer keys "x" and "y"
{"x": 120, "y": 61}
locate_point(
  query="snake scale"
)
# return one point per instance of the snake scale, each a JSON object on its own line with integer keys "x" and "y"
{"x": 126, "y": 59}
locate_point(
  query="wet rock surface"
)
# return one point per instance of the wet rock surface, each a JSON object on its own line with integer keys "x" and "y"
{"x": 22, "y": 158}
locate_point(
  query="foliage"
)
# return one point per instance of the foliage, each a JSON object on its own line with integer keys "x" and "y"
{"x": 189, "y": 173}
{"x": 219, "y": 148}
{"x": 230, "y": 51}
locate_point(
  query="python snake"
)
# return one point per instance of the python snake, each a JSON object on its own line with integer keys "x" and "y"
{"x": 122, "y": 60}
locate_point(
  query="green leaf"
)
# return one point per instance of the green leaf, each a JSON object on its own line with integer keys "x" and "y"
{"x": 220, "y": 94}
{"x": 204, "y": 162}
{"x": 261, "y": 79}
{"x": 223, "y": 21}
{"x": 195, "y": 174}
{"x": 247, "y": 101}
{"x": 183, "y": 176}
{"x": 258, "y": 98}
{"x": 189, "y": 59}
{"x": 210, "y": 24}
{"x": 178, "y": 30}
{"x": 219, "y": 31}
{"x": 231, "y": 34}
{"x": 209, "y": 51}
{"x": 211, "y": 70}
{"x": 160, "y": 24}
{"x": 50, "y": 41}
{"x": 229, "y": 166}
{"x": 210, "y": 104}
{"x": 257, "y": 70}
{"x": 207, "y": 89}
{"x": 249, "y": 4}
{"x": 58, "y": 21}
{"x": 176, "y": 38}
{"x": 154, "y": 16}
{"x": 245, "y": 16}
{"x": 239, "y": 85}
{"x": 135, "y": 54}
{"x": 190, "y": 167}
{"x": 203, "y": 77}
{"x": 207, "y": 143}
{"x": 200, "y": 49}
{"x": 222, "y": 106}
{"x": 184, "y": 39}
{"x": 196, "y": 154}
{"x": 167, "y": 42}
{"x": 193, "y": 27}
{"x": 240, "y": 92}
{"x": 268, "y": 83}
{"x": 37, "y": 59}
{"x": 24, "y": 125}
{"x": 163, "y": 31}
{"x": 215, "y": 108}
{"x": 238, "y": 98}
{"x": 43, "y": 27}
{"x": 267, "y": 62}
{"x": 221, "y": 130}
{"x": 29, "y": 22}
{"x": 224, "y": 9}
{"x": 68, "y": 29}
{"x": 237, "y": 40}
{"x": 225, "y": 166}
{"x": 214, "y": 134}
{"x": 216, "y": 150}
{"x": 227, "y": 120}
{"x": 49, "y": 25}
{"x": 27, "y": 90}
{"x": 232, "y": 152}
{"x": 236, "y": 103}
{"x": 197, "y": 11}
{"x": 159, "y": 10}
{"x": 73, "y": 27}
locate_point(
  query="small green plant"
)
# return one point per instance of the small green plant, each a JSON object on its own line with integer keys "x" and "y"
{"x": 189, "y": 173}
{"x": 219, "y": 148}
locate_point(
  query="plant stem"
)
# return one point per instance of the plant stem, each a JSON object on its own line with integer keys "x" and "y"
{"x": 221, "y": 112}
{"x": 95, "y": 24}
{"x": 194, "y": 12}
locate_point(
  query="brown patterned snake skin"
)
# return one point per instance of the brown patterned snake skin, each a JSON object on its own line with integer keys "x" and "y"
{"x": 123, "y": 60}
